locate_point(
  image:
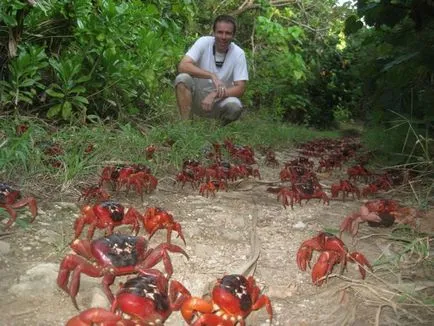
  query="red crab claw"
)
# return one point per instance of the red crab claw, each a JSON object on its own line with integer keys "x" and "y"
{"x": 351, "y": 222}
{"x": 360, "y": 259}
{"x": 350, "y": 225}
{"x": 175, "y": 227}
{"x": 212, "y": 320}
{"x": 304, "y": 254}
{"x": 324, "y": 266}
{"x": 178, "y": 294}
{"x": 98, "y": 315}
{"x": 160, "y": 253}
{"x": 193, "y": 305}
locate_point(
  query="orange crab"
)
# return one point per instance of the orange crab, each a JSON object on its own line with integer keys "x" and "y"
{"x": 233, "y": 298}
{"x": 156, "y": 218}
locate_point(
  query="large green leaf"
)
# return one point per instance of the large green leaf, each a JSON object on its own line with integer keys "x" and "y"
{"x": 54, "y": 110}
{"x": 78, "y": 89}
{"x": 83, "y": 79}
{"x": 53, "y": 93}
{"x": 81, "y": 99}
{"x": 67, "y": 110}
{"x": 28, "y": 82}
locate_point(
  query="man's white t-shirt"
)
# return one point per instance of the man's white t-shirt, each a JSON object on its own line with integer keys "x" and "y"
{"x": 234, "y": 67}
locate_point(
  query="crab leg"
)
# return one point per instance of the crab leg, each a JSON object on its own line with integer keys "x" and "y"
{"x": 76, "y": 264}
{"x": 360, "y": 259}
{"x": 160, "y": 253}
{"x": 324, "y": 266}
{"x": 96, "y": 315}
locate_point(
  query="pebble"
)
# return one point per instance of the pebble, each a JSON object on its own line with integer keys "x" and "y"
{"x": 299, "y": 225}
{"x": 38, "y": 280}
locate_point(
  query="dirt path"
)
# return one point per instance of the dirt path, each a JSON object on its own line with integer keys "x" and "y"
{"x": 218, "y": 233}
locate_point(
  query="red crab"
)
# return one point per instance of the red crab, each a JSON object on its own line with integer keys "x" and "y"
{"x": 327, "y": 164}
{"x": 207, "y": 188}
{"x": 346, "y": 187}
{"x": 140, "y": 181}
{"x": 210, "y": 187}
{"x": 370, "y": 189}
{"x": 212, "y": 152}
{"x": 244, "y": 154}
{"x": 10, "y": 199}
{"x": 110, "y": 174}
{"x": 285, "y": 196}
{"x": 382, "y": 182}
{"x": 149, "y": 298}
{"x": 150, "y": 150}
{"x": 89, "y": 148}
{"x": 156, "y": 218}
{"x": 309, "y": 190}
{"x": 51, "y": 148}
{"x": 146, "y": 299}
{"x": 21, "y": 129}
{"x": 246, "y": 171}
{"x": 270, "y": 158}
{"x": 380, "y": 212}
{"x": 186, "y": 175}
{"x": 94, "y": 193}
{"x": 358, "y": 171}
{"x": 233, "y": 298}
{"x": 109, "y": 257}
{"x": 106, "y": 215}
{"x": 118, "y": 175}
{"x": 333, "y": 251}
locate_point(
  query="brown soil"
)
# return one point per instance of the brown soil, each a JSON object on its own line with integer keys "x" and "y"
{"x": 218, "y": 232}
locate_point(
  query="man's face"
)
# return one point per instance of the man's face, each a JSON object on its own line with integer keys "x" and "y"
{"x": 224, "y": 34}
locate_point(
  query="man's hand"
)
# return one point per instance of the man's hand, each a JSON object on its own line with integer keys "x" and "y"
{"x": 208, "y": 101}
{"x": 220, "y": 87}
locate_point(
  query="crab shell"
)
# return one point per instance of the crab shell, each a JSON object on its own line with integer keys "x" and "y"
{"x": 144, "y": 298}
{"x": 237, "y": 296}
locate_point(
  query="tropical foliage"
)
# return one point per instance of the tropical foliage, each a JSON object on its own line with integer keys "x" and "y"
{"x": 311, "y": 62}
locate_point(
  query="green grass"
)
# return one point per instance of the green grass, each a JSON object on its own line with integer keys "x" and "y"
{"x": 22, "y": 157}
{"x": 413, "y": 246}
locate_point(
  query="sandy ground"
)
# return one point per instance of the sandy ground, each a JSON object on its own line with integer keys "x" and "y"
{"x": 223, "y": 233}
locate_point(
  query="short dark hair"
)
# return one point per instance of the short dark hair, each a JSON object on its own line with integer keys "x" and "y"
{"x": 226, "y": 19}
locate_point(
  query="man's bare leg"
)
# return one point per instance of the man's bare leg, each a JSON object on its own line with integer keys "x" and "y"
{"x": 184, "y": 100}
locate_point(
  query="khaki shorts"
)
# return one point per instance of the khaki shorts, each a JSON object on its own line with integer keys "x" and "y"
{"x": 200, "y": 88}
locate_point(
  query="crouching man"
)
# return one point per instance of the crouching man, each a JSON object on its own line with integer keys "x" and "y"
{"x": 213, "y": 75}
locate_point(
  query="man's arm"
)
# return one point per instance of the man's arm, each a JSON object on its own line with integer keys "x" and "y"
{"x": 187, "y": 65}
{"x": 237, "y": 90}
